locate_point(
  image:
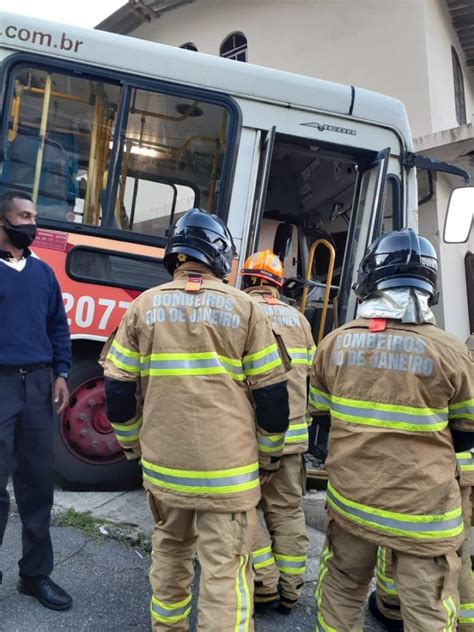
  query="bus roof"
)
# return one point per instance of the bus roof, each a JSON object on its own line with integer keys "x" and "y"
{"x": 150, "y": 59}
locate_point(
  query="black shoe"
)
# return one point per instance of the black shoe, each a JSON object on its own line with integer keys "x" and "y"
{"x": 284, "y": 609}
{"x": 286, "y": 603}
{"x": 265, "y": 606}
{"x": 392, "y": 625}
{"x": 47, "y": 592}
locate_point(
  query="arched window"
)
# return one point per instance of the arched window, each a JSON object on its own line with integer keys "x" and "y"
{"x": 459, "y": 98}
{"x": 234, "y": 47}
{"x": 189, "y": 46}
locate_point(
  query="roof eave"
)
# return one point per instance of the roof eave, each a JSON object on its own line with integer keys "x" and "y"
{"x": 136, "y": 12}
{"x": 462, "y": 18}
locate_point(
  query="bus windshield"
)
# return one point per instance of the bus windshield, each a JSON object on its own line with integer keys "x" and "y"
{"x": 99, "y": 153}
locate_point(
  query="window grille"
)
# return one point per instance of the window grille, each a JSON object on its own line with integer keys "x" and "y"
{"x": 459, "y": 98}
{"x": 234, "y": 47}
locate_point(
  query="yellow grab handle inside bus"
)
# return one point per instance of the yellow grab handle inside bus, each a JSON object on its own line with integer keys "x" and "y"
{"x": 332, "y": 257}
{"x": 42, "y": 138}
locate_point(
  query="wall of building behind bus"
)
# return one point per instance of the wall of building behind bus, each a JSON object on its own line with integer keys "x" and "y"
{"x": 398, "y": 48}
{"x": 440, "y": 38}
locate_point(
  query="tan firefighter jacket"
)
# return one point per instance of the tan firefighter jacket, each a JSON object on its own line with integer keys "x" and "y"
{"x": 465, "y": 462}
{"x": 295, "y": 331}
{"x": 394, "y": 396}
{"x": 197, "y": 348}
{"x": 466, "y": 459}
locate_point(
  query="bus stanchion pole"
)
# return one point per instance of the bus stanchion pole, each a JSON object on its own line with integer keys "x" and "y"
{"x": 42, "y": 138}
{"x": 92, "y": 166}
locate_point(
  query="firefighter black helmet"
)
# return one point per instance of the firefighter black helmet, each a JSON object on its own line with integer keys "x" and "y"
{"x": 397, "y": 260}
{"x": 201, "y": 237}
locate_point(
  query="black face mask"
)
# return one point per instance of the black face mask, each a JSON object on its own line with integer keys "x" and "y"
{"x": 21, "y": 235}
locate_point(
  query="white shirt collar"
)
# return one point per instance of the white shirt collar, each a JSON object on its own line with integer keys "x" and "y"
{"x": 16, "y": 264}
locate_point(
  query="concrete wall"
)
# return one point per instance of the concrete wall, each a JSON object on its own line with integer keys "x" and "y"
{"x": 439, "y": 38}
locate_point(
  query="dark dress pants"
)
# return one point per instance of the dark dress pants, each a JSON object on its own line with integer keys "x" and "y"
{"x": 26, "y": 453}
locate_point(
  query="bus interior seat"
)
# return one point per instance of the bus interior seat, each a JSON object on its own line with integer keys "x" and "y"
{"x": 313, "y": 316}
{"x": 58, "y": 188}
{"x": 286, "y": 238}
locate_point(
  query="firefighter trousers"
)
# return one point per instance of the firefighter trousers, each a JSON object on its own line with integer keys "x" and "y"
{"x": 223, "y": 543}
{"x": 281, "y": 543}
{"x": 427, "y": 586}
{"x": 386, "y": 592}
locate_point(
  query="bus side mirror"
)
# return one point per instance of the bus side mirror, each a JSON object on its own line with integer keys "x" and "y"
{"x": 459, "y": 215}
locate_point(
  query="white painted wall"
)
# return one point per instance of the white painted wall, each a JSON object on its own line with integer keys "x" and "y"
{"x": 440, "y": 37}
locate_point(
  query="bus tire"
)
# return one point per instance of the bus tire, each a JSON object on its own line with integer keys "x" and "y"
{"x": 75, "y": 468}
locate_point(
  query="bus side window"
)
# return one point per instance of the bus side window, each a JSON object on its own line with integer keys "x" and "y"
{"x": 150, "y": 207}
{"x": 58, "y": 142}
{"x": 60, "y": 135}
{"x": 171, "y": 159}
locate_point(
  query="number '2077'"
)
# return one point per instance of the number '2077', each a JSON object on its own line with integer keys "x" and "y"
{"x": 86, "y": 309}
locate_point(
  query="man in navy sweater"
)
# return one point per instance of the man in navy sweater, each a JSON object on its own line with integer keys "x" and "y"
{"x": 35, "y": 355}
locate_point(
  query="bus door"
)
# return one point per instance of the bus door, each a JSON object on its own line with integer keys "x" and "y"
{"x": 318, "y": 206}
{"x": 333, "y": 196}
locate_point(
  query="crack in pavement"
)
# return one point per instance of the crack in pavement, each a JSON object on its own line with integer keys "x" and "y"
{"x": 96, "y": 564}
{"x": 109, "y": 501}
{"x": 72, "y": 555}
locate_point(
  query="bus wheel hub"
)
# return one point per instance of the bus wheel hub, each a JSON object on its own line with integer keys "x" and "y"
{"x": 84, "y": 427}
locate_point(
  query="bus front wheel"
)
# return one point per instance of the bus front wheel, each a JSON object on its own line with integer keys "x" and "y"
{"x": 87, "y": 455}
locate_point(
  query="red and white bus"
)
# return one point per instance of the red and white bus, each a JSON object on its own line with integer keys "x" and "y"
{"x": 115, "y": 137}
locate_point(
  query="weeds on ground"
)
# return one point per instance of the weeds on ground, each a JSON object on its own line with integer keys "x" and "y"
{"x": 98, "y": 529}
{"x": 82, "y": 520}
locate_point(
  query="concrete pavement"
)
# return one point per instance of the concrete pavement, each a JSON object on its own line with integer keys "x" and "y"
{"x": 109, "y": 580}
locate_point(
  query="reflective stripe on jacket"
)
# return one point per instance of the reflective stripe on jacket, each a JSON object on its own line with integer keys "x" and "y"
{"x": 465, "y": 462}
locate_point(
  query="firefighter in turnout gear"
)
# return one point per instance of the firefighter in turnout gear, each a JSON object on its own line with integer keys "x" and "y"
{"x": 384, "y": 603}
{"x": 400, "y": 395}
{"x": 213, "y": 388}
{"x": 280, "y": 564}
